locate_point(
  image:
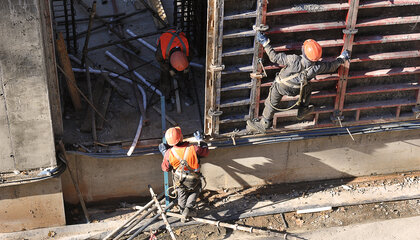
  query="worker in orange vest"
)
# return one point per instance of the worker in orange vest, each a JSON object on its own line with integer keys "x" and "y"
{"x": 173, "y": 55}
{"x": 293, "y": 80}
{"x": 183, "y": 159}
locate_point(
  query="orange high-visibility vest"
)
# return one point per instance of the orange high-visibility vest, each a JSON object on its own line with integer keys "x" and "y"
{"x": 170, "y": 39}
{"x": 184, "y": 153}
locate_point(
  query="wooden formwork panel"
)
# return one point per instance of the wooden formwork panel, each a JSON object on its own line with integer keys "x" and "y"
{"x": 379, "y": 84}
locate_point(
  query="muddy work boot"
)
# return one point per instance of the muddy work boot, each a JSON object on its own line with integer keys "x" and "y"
{"x": 185, "y": 215}
{"x": 256, "y": 126}
{"x": 304, "y": 111}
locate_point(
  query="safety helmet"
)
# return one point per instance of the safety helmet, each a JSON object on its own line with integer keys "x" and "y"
{"x": 179, "y": 60}
{"x": 312, "y": 50}
{"x": 173, "y": 136}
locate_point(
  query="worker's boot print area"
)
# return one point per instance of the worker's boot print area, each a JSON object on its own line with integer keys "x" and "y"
{"x": 255, "y": 126}
{"x": 304, "y": 111}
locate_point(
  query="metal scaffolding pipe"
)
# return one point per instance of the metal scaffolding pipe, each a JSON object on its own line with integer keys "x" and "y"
{"x": 139, "y": 76}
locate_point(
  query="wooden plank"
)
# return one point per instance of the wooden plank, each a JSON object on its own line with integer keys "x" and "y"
{"x": 239, "y": 33}
{"x": 103, "y": 107}
{"x": 379, "y": 104}
{"x": 236, "y": 86}
{"x": 310, "y": 8}
{"x": 384, "y": 72}
{"x": 70, "y": 79}
{"x": 302, "y": 8}
{"x": 235, "y": 102}
{"x": 385, "y": 56}
{"x": 383, "y": 88}
{"x": 388, "y": 21}
{"x": 242, "y": 15}
{"x": 238, "y": 52}
{"x": 358, "y": 41}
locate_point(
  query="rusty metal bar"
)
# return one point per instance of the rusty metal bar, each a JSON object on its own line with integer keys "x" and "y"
{"x": 85, "y": 47}
{"x": 343, "y": 71}
{"x": 257, "y": 68}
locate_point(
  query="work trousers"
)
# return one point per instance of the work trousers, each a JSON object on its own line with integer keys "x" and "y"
{"x": 186, "y": 198}
{"x": 167, "y": 85}
{"x": 276, "y": 93}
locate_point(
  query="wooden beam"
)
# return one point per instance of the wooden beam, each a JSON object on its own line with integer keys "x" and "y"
{"x": 70, "y": 79}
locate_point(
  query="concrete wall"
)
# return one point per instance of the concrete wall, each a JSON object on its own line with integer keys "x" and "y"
{"x": 32, "y": 205}
{"x": 26, "y": 133}
{"x": 26, "y": 136}
{"x": 304, "y": 160}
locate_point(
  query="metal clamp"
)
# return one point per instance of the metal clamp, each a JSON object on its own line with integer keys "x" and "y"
{"x": 261, "y": 28}
{"x": 214, "y": 113}
{"x": 217, "y": 68}
{"x": 416, "y": 111}
{"x": 256, "y": 75}
{"x": 350, "y": 31}
{"x": 336, "y": 116}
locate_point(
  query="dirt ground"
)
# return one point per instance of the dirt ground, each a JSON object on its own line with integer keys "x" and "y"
{"x": 296, "y": 223}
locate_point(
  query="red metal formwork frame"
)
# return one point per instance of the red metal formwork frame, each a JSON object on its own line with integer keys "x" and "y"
{"x": 228, "y": 96}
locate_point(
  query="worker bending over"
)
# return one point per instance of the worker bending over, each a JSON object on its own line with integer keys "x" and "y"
{"x": 173, "y": 55}
{"x": 293, "y": 79}
{"x": 183, "y": 159}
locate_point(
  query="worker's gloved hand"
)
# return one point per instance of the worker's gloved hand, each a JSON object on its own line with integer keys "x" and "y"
{"x": 163, "y": 147}
{"x": 172, "y": 73}
{"x": 198, "y": 136}
{"x": 262, "y": 39}
{"x": 345, "y": 55}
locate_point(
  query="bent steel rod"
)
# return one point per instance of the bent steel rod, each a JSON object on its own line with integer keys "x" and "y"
{"x": 132, "y": 217}
{"x": 84, "y": 96}
{"x": 222, "y": 224}
{"x": 151, "y": 221}
{"x": 162, "y": 213}
{"x": 137, "y": 221}
{"x": 123, "y": 40}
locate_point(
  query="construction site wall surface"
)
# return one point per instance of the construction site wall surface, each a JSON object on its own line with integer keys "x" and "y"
{"x": 244, "y": 166}
{"x": 26, "y": 128}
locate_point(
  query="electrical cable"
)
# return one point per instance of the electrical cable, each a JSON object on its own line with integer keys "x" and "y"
{"x": 59, "y": 170}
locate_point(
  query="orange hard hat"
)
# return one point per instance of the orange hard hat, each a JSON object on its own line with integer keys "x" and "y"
{"x": 179, "y": 60}
{"x": 173, "y": 136}
{"x": 312, "y": 50}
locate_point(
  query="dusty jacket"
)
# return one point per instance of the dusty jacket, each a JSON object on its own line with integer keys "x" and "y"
{"x": 297, "y": 63}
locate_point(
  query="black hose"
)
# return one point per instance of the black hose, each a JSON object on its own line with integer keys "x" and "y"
{"x": 286, "y": 137}
{"x": 60, "y": 170}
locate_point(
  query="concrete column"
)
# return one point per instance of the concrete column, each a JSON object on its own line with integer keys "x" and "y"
{"x": 26, "y": 132}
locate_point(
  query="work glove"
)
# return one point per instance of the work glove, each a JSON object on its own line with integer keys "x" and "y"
{"x": 198, "y": 136}
{"x": 163, "y": 147}
{"x": 345, "y": 56}
{"x": 261, "y": 38}
{"x": 172, "y": 73}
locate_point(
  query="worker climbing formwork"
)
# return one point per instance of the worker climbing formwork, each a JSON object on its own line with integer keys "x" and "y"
{"x": 183, "y": 159}
{"x": 293, "y": 80}
{"x": 173, "y": 55}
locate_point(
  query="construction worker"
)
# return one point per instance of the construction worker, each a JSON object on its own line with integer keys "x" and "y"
{"x": 183, "y": 159}
{"x": 173, "y": 55}
{"x": 293, "y": 79}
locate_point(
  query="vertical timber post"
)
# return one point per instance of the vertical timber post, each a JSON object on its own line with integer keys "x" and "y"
{"x": 214, "y": 66}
